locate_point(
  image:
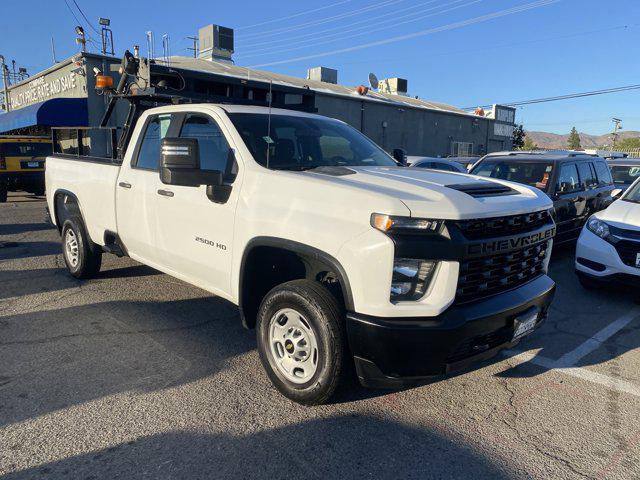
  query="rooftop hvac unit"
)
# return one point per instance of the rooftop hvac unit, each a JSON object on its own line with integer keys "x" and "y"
{"x": 394, "y": 86}
{"x": 215, "y": 42}
{"x": 323, "y": 74}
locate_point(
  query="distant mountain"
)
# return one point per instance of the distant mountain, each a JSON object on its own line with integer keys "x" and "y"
{"x": 553, "y": 140}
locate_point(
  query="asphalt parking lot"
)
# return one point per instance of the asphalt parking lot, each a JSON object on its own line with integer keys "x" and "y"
{"x": 135, "y": 374}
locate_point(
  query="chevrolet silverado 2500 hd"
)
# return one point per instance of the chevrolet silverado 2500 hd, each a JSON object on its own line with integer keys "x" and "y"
{"x": 334, "y": 253}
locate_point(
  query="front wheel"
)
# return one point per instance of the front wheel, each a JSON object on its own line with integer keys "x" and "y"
{"x": 82, "y": 257}
{"x": 301, "y": 341}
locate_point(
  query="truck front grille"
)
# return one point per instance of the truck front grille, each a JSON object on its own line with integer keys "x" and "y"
{"x": 483, "y": 277}
{"x": 503, "y": 226}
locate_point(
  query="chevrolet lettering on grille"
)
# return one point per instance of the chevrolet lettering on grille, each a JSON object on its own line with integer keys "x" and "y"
{"x": 507, "y": 244}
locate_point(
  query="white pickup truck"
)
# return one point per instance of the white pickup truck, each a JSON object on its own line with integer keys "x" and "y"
{"x": 335, "y": 253}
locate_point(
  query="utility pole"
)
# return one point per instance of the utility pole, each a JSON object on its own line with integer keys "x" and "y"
{"x": 617, "y": 125}
{"x": 195, "y": 46}
{"x": 5, "y": 83}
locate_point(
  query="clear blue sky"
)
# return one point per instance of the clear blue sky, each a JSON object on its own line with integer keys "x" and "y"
{"x": 563, "y": 47}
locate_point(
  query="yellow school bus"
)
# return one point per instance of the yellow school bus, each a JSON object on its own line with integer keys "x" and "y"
{"x": 22, "y": 164}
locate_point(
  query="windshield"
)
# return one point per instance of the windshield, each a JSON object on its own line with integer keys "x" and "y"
{"x": 25, "y": 149}
{"x": 625, "y": 175}
{"x": 534, "y": 174}
{"x": 300, "y": 143}
{"x": 633, "y": 193}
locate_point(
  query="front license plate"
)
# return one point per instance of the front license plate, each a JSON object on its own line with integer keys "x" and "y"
{"x": 524, "y": 324}
{"x": 638, "y": 260}
{"x": 33, "y": 164}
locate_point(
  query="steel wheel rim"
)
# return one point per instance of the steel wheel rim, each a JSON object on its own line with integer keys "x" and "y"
{"x": 71, "y": 248}
{"x": 293, "y": 346}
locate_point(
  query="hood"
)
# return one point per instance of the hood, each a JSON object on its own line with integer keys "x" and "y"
{"x": 444, "y": 195}
{"x": 622, "y": 214}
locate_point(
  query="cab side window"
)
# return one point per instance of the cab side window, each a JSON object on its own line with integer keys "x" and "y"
{"x": 568, "y": 180}
{"x": 214, "y": 149}
{"x": 156, "y": 130}
{"x": 604, "y": 174}
{"x": 587, "y": 177}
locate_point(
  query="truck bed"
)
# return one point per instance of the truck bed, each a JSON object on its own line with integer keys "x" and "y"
{"x": 93, "y": 182}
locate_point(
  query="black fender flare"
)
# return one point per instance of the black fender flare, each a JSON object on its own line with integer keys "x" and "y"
{"x": 56, "y": 218}
{"x": 300, "y": 248}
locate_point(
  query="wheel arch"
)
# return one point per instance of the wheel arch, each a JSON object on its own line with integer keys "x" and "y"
{"x": 63, "y": 209}
{"x": 249, "y": 298}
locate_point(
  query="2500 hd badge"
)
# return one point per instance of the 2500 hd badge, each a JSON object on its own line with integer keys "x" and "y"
{"x": 496, "y": 246}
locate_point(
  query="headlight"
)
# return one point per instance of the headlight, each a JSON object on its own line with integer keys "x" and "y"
{"x": 411, "y": 278}
{"x": 390, "y": 223}
{"x": 598, "y": 227}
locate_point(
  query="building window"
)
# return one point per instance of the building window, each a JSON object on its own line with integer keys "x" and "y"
{"x": 461, "y": 149}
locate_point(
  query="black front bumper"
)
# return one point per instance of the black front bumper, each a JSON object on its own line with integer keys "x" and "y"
{"x": 396, "y": 352}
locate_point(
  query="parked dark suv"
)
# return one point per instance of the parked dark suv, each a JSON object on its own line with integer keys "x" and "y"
{"x": 579, "y": 184}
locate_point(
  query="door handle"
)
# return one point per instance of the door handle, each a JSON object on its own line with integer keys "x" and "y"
{"x": 165, "y": 193}
{"x": 124, "y": 185}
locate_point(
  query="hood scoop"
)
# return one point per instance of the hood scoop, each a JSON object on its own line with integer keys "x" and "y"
{"x": 334, "y": 171}
{"x": 483, "y": 189}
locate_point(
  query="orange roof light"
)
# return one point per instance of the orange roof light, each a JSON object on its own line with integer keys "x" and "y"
{"x": 104, "y": 82}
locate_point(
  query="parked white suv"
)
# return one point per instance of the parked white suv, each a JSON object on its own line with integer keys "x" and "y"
{"x": 609, "y": 245}
{"x": 333, "y": 252}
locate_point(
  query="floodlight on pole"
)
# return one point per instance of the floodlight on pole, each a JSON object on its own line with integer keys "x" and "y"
{"x": 81, "y": 40}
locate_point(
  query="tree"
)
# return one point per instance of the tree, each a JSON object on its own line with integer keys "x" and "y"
{"x": 628, "y": 144}
{"x": 573, "y": 142}
{"x": 518, "y": 137}
{"x": 528, "y": 144}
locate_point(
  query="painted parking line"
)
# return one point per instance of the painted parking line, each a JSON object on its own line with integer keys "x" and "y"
{"x": 571, "y": 358}
{"x": 566, "y": 363}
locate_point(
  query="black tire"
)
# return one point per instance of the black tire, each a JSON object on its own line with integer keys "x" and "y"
{"x": 38, "y": 192}
{"x": 89, "y": 256}
{"x": 325, "y": 317}
{"x": 3, "y": 194}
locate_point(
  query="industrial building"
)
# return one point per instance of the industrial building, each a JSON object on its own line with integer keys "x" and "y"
{"x": 65, "y": 96}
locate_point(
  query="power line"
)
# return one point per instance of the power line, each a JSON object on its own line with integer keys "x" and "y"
{"x": 370, "y": 30}
{"x": 339, "y": 28}
{"x": 430, "y": 31}
{"x": 567, "y": 96}
{"x": 306, "y": 12}
{"x": 78, "y": 22}
{"x": 350, "y": 13}
{"x": 85, "y": 17}
{"x": 495, "y": 46}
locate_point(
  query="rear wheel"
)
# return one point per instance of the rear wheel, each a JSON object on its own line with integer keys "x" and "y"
{"x": 301, "y": 341}
{"x": 82, "y": 257}
{"x": 3, "y": 193}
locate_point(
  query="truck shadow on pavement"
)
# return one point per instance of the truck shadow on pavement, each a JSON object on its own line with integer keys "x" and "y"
{"x": 16, "y": 249}
{"x": 18, "y": 228}
{"x": 350, "y": 446}
{"x": 54, "y": 359}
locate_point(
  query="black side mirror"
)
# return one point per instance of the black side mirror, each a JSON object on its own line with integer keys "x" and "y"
{"x": 400, "y": 156}
{"x": 180, "y": 164}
